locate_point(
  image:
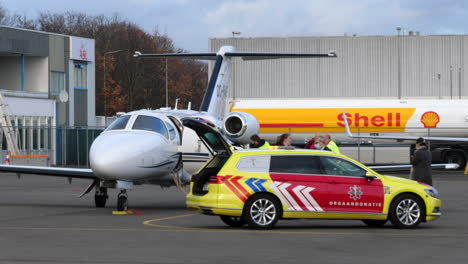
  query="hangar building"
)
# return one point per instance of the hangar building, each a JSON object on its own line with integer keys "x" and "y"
{"x": 47, "y": 81}
{"x": 390, "y": 67}
{"x": 399, "y": 67}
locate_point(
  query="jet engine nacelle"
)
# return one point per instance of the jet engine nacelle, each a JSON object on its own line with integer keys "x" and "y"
{"x": 240, "y": 126}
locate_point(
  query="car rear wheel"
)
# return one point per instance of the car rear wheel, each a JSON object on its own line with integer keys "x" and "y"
{"x": 406, "y": 211}
{"x": 262, "y": 211}
{"x": 234, "y": 221}
{"x": 374, "y": 223}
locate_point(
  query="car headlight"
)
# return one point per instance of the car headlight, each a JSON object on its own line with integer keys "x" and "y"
{"x": 432, "y": 192}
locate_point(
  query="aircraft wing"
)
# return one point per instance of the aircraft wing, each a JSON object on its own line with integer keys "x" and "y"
{"x": 394, "y": 168}
{"x": 451, "y": 139}
{"x": 50, "y": 171}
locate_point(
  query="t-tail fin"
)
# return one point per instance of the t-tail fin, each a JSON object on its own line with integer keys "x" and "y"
{"x": 214, "y": 101}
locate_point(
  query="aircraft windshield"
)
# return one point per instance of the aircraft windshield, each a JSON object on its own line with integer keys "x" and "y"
{"x": 120, "y": 123}
{"x": 151, "y": 124}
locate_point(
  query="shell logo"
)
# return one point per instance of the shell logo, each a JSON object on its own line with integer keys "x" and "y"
{"x": 430, "y": 119}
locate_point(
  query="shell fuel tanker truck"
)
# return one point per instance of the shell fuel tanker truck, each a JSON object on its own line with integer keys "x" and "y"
{"x": 303, "y": 118}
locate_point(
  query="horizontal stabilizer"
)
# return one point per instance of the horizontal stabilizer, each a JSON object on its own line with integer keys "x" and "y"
{"x": 195, "y": 56}
{"x": 243, "y": 55}
{"x": 277, "y": 55}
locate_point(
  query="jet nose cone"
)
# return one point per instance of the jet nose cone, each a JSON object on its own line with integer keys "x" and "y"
{"x": 120, "y": 155}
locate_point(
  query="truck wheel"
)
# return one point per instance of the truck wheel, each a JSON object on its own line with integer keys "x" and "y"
{"x": 457, "y": 158}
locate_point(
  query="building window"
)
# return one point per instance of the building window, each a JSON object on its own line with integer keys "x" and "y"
{"x": 57, "y": 82}
{"x": 81, "y": 76}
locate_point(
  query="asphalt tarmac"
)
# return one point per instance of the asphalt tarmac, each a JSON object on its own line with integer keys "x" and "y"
{"x": 42, "y": 220}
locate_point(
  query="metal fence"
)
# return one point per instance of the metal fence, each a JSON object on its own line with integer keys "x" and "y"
{"x": 65, "y": 146}
{"x": 69, "y": 146}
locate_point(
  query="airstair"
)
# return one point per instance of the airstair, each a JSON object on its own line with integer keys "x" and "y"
{"x": 7, "y": 128}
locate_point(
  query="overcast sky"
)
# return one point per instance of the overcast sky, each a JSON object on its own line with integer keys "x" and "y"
{"x": 191, "y": 22}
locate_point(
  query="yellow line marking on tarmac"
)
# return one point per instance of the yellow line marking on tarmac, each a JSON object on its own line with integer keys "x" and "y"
{"x": 174, "y": 228}
{"x": 236, "y": 230}
{"x": 148, "y": 222}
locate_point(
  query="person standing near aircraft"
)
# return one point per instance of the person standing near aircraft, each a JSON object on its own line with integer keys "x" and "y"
{"x": 257, "y": 142}
{"x": 331, "y": 144}
{"x": 320, "y": 143}
{"x": 421, "y": 161}
{"x": 284, "y": 140}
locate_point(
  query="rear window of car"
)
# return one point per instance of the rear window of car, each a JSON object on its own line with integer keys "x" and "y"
{"x": 260, "y": 163}
{"x": 301, "y": 164}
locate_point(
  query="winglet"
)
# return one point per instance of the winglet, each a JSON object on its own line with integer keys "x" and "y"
{"x": 345, "y": 120}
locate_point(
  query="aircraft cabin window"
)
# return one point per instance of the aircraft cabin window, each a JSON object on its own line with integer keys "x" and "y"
{"x": 300, "y": 164}
{"x": 172, "y": 132}
{"x": 150, "y": 123}
{"x": 338, "y": 166}
{"x": 119, "y": 123}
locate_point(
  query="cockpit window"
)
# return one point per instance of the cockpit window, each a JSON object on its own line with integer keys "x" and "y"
{"x": 151, "y": 124}
{"x": 172, "y": 133}
{"x": 119, "y": 123}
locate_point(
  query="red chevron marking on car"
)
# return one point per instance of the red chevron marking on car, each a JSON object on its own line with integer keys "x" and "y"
{"x": 231, "y": 183}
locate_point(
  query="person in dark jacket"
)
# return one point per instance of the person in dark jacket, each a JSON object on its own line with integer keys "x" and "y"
{"x": 421, "y": 161}
{"x": 257, "y": 142}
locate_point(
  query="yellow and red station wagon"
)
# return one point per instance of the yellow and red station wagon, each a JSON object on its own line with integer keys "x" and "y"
{"x": 259, "y": 187}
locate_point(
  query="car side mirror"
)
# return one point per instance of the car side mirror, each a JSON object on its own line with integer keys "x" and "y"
{"x": 370, "y": 176}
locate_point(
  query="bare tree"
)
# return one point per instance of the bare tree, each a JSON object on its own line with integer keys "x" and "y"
{"x": 130, "y": 83}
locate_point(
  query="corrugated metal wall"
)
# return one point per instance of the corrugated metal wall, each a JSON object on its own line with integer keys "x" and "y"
{"x": 368, "y": 66}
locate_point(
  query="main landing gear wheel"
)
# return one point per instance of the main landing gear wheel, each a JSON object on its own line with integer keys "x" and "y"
{"x": 406, "y": 211}
{"x": 122, "y": 201}
{"x": 262, "y": 211}
{"x": 100, "y": 197}
{"x": 234, "y": 221}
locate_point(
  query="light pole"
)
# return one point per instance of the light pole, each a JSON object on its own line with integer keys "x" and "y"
{"x": 167, "y": 90}
{"x": 234, "y": 33}
{"x": 399, "y": 63}
{"x": 104, "y": 82}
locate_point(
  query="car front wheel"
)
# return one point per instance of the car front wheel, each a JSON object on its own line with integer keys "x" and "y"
{"x": 262, "y": 211}
{"x": 406, "y": 211}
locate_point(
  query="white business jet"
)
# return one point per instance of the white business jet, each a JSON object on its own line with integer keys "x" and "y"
{"x": 152, "y": 146}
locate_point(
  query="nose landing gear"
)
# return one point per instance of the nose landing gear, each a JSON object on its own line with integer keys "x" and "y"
{"x": 122, "y": 201}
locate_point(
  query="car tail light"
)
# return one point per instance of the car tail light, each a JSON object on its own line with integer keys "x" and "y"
{"x": 217, "y": 179}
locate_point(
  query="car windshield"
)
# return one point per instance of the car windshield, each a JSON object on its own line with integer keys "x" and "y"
{"x": 119, "y": 123}
{"x": 150, "y": 123}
